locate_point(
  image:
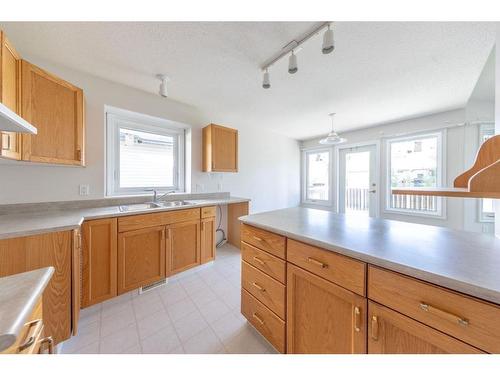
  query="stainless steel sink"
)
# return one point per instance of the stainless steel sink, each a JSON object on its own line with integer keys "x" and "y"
{"x": 175, "y": 203}
{"x": 138, "y": 207}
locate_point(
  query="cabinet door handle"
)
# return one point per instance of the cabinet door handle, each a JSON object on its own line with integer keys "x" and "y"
{"x": 375, "y": 327}
{"x": 37, "y": 326}
{"x": 357, "y": 319}
{"x": 258, "y": 238}
{"x": 317, "y": 262}
{"x": 50, "y": 343}
{"x": 258, "y": 318}
{"x": 259, "y": 287}
{"x": 258, "y": 260}
{"x": 444, "y": 314}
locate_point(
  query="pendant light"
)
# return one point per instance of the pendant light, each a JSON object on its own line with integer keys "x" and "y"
{"x": 332, "y": 138}
{"x": 266, "y": 83}
{"x": 292, "y": 63}
{"x": 328, "y": 43}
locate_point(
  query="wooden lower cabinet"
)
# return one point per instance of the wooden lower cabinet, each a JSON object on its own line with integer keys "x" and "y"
{"x": 393, "y": 333}
{"x": 323, "y": 317}
{"x": 50, "y": 249}
{"x": 207, "y": 239}
{"x": 183, "y": 246}
{"x": 141, "y": 258}
{"x": 99, "y": 260}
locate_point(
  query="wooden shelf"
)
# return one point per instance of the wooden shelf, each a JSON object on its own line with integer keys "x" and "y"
{"x": 482, "y": 180}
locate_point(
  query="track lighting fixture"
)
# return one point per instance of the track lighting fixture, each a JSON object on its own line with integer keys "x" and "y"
{"x": 265, "y": 81}
{"x": 292, "y": 63}
{"x": 163, "y": 85}
{"x": 328, "y": 43}
{"x": 332, "y": 138}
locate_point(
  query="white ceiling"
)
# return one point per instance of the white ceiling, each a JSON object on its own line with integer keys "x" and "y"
{"x": 378, "y": 72}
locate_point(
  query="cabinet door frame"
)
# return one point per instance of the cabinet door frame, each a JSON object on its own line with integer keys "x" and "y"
{"x": 79, "y": 125}
{"x": 359, "y": 344}
{"x": 170, "y": 250}
{"x": 122, "y": 288}
{"x": 205, "y": 246}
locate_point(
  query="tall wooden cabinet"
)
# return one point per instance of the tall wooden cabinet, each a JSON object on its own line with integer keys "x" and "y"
{"x": 183, "y": 246}
{"x": 55, "y": 108}
{"x": 10, "y": 95}
{"x": 99, "y": 260}
{"x": 220, "y": 149}
{"x": 323, "y": 317}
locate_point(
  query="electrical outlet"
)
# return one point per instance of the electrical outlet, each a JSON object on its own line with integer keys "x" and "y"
{"x": 84, "y": 189}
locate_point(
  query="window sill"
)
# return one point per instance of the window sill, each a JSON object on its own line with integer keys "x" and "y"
{"x": 415, "y": 214}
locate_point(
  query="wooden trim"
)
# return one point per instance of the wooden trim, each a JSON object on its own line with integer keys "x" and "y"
{"x": 234, "y": 211}
{"x": 76, "y": 280}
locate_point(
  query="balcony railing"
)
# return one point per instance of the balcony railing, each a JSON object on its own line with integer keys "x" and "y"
{"x": 356, "y": 199}
{"x": 414, "y": 202}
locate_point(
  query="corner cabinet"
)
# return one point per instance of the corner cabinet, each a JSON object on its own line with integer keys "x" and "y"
{"x": 220, "y": 149}
{"x": 10, "y": 95}
{"x": 56, "y": 108}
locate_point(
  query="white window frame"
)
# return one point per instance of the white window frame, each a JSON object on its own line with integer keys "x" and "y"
{"x": 484, "y": 128}
{"x": 118, "y": 118}
{"x": 441, "y": 161}
{"x": 305, "y": 153}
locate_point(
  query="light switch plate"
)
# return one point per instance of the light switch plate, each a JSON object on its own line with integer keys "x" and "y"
{"x": 84, "y": 189}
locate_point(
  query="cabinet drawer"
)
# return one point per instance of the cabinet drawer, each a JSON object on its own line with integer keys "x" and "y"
{"x": 207, "y": 212}
{"x": 264, "y": 320}
{"x": 341, "y": 270}
{"x": 267, "y": 290}
{"x": 267, "y": 263}
{"x": 466, "y": 318}
{"x": 155, "y": 219}
{"x": 270, "y": 242}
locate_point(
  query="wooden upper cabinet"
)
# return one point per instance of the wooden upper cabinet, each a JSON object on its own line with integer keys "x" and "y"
{"x": 322, "y": 317}
{"x": 10, "y": 95}
{"x": 393, "y": 333}
{"x": 99, "y": 260}
{"x": 183, "y": 246}
{"x": 207, "y": 239}
{"x": 55, "y": 107}
{"x": 141, "y": 258}
{"x": 220, "y": 149}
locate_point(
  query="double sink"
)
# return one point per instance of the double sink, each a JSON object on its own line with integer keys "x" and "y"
{"x": 153, "y": 205}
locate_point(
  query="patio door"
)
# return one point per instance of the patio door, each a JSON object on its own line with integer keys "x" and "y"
{"x": 358, "y": 190}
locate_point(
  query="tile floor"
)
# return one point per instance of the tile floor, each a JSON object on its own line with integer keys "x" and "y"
{"x": 198, "y": 311}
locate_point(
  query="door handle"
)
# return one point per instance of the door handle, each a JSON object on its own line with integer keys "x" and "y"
{"x": 372, "y": 191}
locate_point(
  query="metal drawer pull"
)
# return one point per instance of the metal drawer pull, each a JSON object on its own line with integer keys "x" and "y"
{"x": 50, "y": 343}
{"x": 317, "y": 262}
{"x": 357, "y": 319}
{"x": 258, "y": 260}
{"x": 258, "y": 238}
{"x": 258, "y": 318}
{"x": 374, "y": 328}
{"x": 444, "y": 314}
{"x": 31, "y": 340}
{"x": 258, "y": 287}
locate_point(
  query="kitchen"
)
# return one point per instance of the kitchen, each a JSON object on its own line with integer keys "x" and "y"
{"x": 322, "y": 187}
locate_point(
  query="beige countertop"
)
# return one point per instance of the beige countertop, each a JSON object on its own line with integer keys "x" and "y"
{"x": 462, "y": 261}
{"x": 19, "y": 294}
{"x": 26, "y": 224}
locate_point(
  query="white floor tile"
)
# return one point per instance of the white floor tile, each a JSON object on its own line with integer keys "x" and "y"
{"x": 153, "y": 323}
{"x": 213, "y": 310}
{"x": 180, "y": 309}
{"x": 87, "y": 335}
{"x": 163, "y": 341}
{"x": 190, "y": 325}
{"x": 228, "y": 326}
{"x": 115, "y": 322}
{"x": 205, "y": 342}
{"x": 120, "y": 341}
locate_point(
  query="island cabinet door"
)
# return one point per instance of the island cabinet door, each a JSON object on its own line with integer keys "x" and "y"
{"x": 141, "y": 258}
{"x": 322, "y": 317}
{"x": 99, "y": 259}
{"x": 207, "y": 239}
{"x": 390, "y": 332}
{"x": 183, "y": 246}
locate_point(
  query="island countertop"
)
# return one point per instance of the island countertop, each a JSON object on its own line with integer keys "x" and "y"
{"x": 462, "y": 261}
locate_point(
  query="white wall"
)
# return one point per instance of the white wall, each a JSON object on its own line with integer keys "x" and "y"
{"x": 456, "y": 138}
{"x": 269, "y": 163}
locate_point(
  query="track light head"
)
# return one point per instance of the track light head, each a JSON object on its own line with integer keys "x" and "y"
{"x": 265, "y": 81}
{"x": 163, "y": 85}
{"x": 292, "y": 64}
{"x": 328, "y": 43}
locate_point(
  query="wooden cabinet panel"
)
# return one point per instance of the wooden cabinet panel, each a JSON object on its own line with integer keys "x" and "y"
{"x": 207, "y": 239}
{"x": 55, "y": 108}
{"x": 220, "y": 149}
{"x": 264, "y": 320}
{"x": 44, "y": 250}
{"x": 10, "y": 95}
{"x": 183, "y": 246}
{"x": 155, "y": 219}
{"x": 346, "y": 272}
{"x": 99, "y": 260}
{"x": 263, "y": 287}
{"x": 267, "y": 263}
{"x": 234, "y": 212}
{"x": 323, "y": 317}
{"x": 468, "y": 319}
{"x": 207, "y": 212}
{"x": 393, "y": 333}
{"x": 76, "y": 281}
{"x": 264, "y": 240}
{"x": 141, "y": 258}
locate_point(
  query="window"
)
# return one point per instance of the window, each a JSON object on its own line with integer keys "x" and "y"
{"x": 317, "y": 181}
{"x": 486, "y": 209}
{"x": 143, "y": 153}
{"x": 415, "y": 162}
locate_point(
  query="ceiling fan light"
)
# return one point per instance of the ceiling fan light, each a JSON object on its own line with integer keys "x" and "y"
{"x": 266, "y": 83}
{"x": 328, "y": 43}
{"x": 292, "y": 64}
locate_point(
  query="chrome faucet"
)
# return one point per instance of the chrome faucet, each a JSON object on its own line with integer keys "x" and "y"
{"x": 156, "y": 199}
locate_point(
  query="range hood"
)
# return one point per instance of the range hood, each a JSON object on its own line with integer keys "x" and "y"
{"x": 12, "y": 122}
